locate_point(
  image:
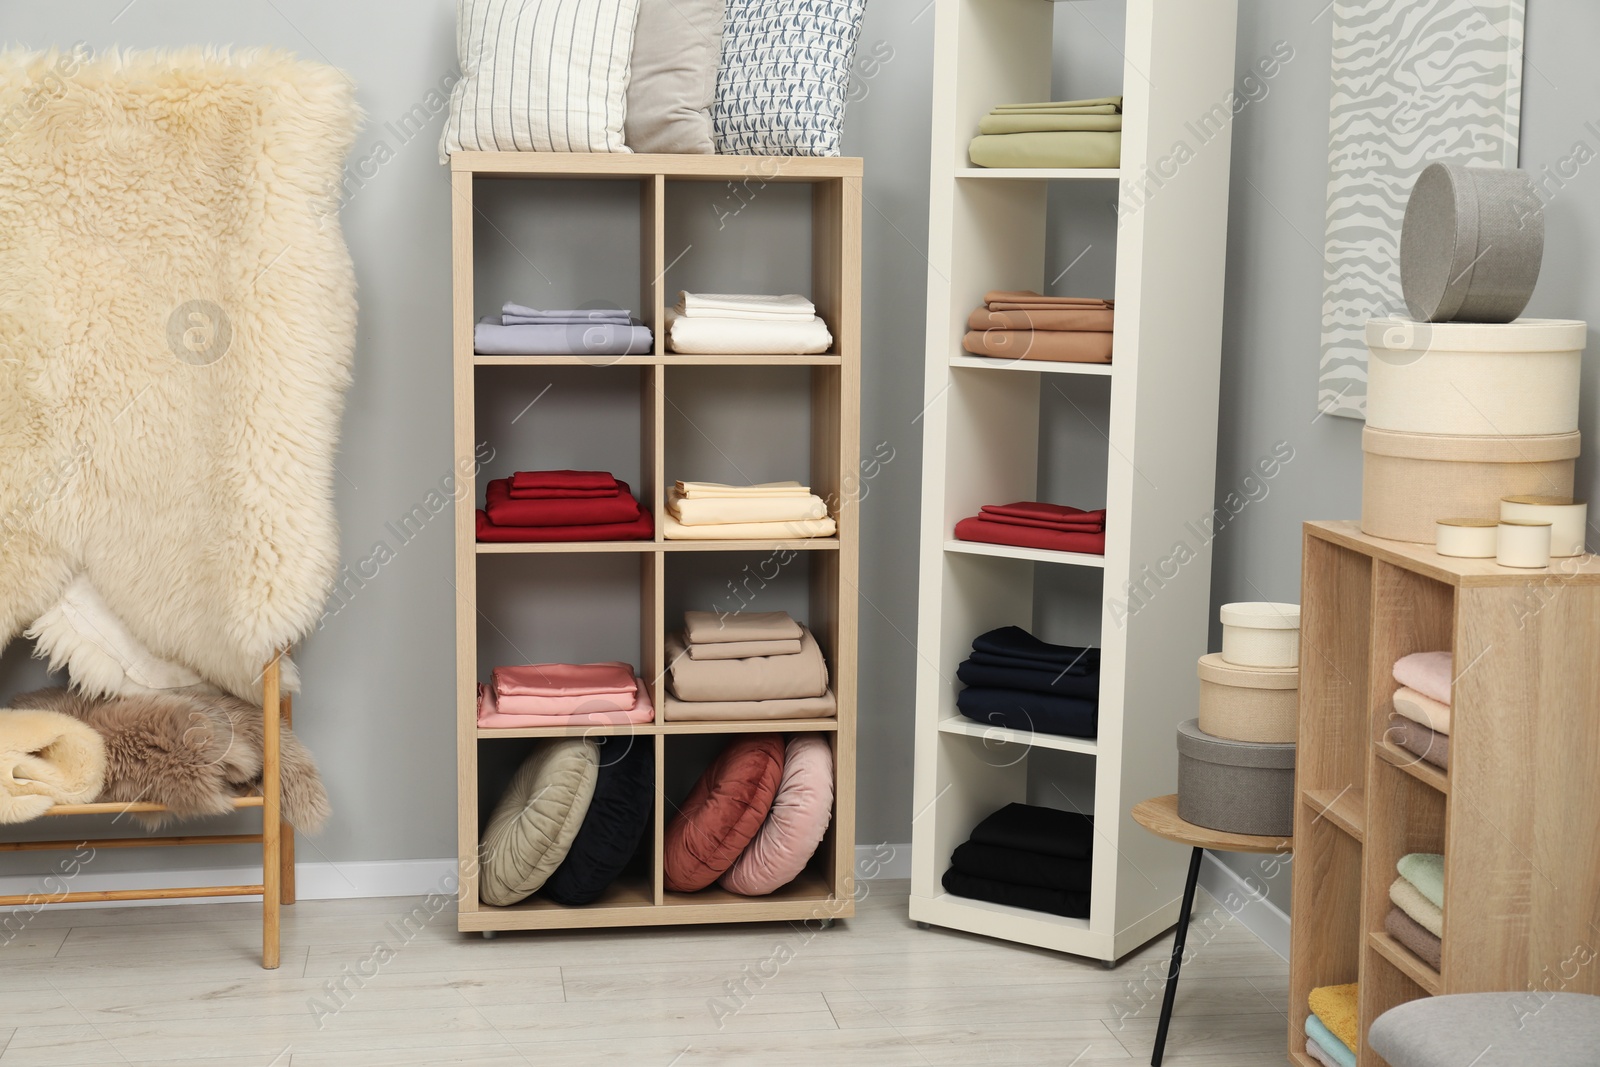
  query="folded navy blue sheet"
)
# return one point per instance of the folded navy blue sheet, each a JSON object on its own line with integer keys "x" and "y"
{"x": 1031, "y": 828}
{"x": 1055, "y": 682}
{"x": 1054, "y": 901}
{"x": 1015, "y": 646}
{"x": 1021, "y": 867}
{"x": 1033, "y": 712}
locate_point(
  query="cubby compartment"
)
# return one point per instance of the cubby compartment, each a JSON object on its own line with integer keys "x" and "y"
{"x": 1413, "y": 819}
{"x": 1335, "y": 719}
{"x": 742, "y": 425}
{"x": 522, "y": 229}
{"x": 1327, "y": 925}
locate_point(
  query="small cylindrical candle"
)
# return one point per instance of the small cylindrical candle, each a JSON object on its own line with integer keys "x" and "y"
{"x": 1523, "y": 543}
{"x": 1568, "y": 519}
{"x": 1466, "y": 538}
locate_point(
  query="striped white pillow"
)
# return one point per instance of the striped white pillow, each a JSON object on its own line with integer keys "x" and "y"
{"x": 540, "y": 76}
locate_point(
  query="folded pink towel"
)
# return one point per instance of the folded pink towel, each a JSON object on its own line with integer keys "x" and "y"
{"x": 493, "y": 713}
{"x": 565, "y": 680}
{"x": 1428, "y": 673}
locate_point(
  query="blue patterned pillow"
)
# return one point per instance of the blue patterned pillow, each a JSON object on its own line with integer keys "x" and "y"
{"x": 783, "y": 77}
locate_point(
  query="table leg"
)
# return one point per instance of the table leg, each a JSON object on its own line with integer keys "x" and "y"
{"x": 1177, "y": 957}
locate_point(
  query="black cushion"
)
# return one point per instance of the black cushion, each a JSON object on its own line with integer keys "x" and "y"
{"x": 616, "y": 821}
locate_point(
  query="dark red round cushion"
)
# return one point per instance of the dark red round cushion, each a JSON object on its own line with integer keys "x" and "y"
{"x": 723, "y": 812}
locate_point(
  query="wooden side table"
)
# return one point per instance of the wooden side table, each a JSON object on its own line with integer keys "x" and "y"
{"x": 1159, "y": 815}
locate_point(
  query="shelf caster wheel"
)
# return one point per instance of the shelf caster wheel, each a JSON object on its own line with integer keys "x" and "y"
{"x": 490, "y": 935}
{"x": 1109, "y": 965}
{"x": 827, "y": 924}
{"x": 923, "y": 926}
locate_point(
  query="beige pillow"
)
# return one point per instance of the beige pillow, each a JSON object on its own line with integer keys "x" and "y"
{"x": 676, "y": 47}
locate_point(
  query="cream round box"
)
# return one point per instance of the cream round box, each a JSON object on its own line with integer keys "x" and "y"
{"x": 1474, "y": 378}
{"x": 1261, "y": 634}
{"x": 1258, "y": 704}
{"x": 1409, "y": 481}
{"x": 1521, "y": 543}
{"x": 1466, "y": 538}
{"x": 1568, "y": 519}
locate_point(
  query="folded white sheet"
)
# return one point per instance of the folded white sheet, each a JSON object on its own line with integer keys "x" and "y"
{"x": 714, "y": 510}
{"x": 800, "y": 529}
{"x": 745, "y": 306}
{"x": 710, "y": 490}
{"x": 729, "y": 336}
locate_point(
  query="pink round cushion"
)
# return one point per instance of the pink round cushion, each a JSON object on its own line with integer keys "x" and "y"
{"x": 795, "y": 827}
{"x": 723, "y": 812}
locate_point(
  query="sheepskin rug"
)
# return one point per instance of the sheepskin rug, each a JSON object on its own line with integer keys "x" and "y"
{"x": 47, "y": 758}
{"x": 193, "y": 751}
{"x": 177, "y": 315}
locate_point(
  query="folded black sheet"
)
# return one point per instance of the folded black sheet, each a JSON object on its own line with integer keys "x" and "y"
{"x": 1053, "y": 901}
{"x": 1020, "y": 867}
{"x": 1017, "y": 647}
{"x": 1031, "y": 828}
{"x": 1038, "y": 713}
{"x": 1055, "y": 682}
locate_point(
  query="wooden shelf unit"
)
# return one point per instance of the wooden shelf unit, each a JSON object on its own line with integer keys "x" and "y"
{"x": 988, "y": 229}
{"x": 1515, "y": 813}
{"x": 826, "y": 889}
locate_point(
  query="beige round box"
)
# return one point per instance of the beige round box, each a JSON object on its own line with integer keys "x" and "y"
{"x": 1254, "y": 704}
{"x": 1409, "y": 481}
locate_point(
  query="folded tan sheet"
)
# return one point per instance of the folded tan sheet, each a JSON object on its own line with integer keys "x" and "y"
{"x": 699, "y": 490}
{"x": 1060, "y": 346}
{"x": 1108, "y": 103}
{"x": 1094, "y": 320}
{"x": 717, "y": 510}
{"x": 745, "y": 649}
{"x": 1046, "y": 122}
{"x": 1025, "y": 299}
{"x": 712, "y": 627}
{"x": 1070, "y": 150}
{"x": 797, "y": 530}
{"x": 675, "y": 710}
{"x": 754, "y": 679}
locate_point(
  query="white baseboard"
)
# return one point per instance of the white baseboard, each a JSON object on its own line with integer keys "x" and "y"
{"x": 337, "y": 881}
{"x": 1254, "y": 912}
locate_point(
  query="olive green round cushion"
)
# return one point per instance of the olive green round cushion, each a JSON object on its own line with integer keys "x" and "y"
{"x": 535, "y": 822}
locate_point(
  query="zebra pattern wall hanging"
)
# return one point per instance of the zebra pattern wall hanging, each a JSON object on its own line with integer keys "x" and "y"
{"x": 1414, "y": 81}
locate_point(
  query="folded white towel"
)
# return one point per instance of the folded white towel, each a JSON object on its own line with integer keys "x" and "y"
{"x": 718, "y": 490}
{"x": 747, "y": 336}
{"x": 745, "y": 306}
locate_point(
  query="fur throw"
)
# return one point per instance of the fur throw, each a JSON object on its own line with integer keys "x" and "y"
{"x": 103, "y": 659}
{"x": 46, "y": 759}
{"x": 177, "y": 316}
{"x": 193, "y": 751}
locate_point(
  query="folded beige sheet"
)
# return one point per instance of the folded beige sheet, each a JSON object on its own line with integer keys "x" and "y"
{"x": 713, "y": 511}
{"x": 1112, "y": 103}
{"x": 1070, "y": 150}
{"x": 707, "y": 490}
{"x": 1046, "y": 122}
{"x": 757, "y": 678}
{"x": 798, "y": 530}
{"x": 714, "y": 627}
{"x": 745, "y": 649}
{"x": 675, "y": 710}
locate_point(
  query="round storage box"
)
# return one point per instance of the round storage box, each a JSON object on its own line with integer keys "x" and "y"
{"x": 1261, "y": 634}
{"x": 1569, "y": 520}
{"x": 1487, "y": 379}
{"x": 1236, "y": 786}
{"x": 1410, "y": 481}
{"x": 1248, "y": 703}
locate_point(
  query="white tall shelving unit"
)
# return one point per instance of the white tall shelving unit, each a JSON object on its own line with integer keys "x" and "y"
{"x": 987, "y": 230}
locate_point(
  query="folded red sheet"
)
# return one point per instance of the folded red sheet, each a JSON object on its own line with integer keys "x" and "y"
{"x": 978, "y": 528}
{"x": 505, "y": 510}
{"x": 1046, "y": 516}
{"x": 563, "y": 480}
{"x": 561, "y": 494}
{"x": 641, "y": 529}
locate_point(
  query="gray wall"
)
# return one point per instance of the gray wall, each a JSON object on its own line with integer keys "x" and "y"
{"x": 378, "y": 677}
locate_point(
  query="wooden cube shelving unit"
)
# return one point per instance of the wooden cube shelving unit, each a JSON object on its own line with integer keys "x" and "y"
{"x": 1515, "y": 813}
{"x": 826, "y": 889}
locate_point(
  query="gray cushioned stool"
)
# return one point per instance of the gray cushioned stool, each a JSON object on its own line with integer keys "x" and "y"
{"x": 1491, "y": 1030}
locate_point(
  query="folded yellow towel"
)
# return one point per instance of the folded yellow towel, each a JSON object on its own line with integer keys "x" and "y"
{"x": 1335, "y": 1005}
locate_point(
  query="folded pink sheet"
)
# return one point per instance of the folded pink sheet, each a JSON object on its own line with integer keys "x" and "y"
{"x": 493, "y": 714}
{"x": 565, "y": 679}
{"x": 1428, "y": 673}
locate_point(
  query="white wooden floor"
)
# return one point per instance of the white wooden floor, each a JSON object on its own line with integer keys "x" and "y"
{"x": 182, "y": 985}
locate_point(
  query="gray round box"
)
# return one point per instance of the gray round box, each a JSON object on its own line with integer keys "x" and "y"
{"x": 1241, "y": 787}
{"x": 1471, "y": 244}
